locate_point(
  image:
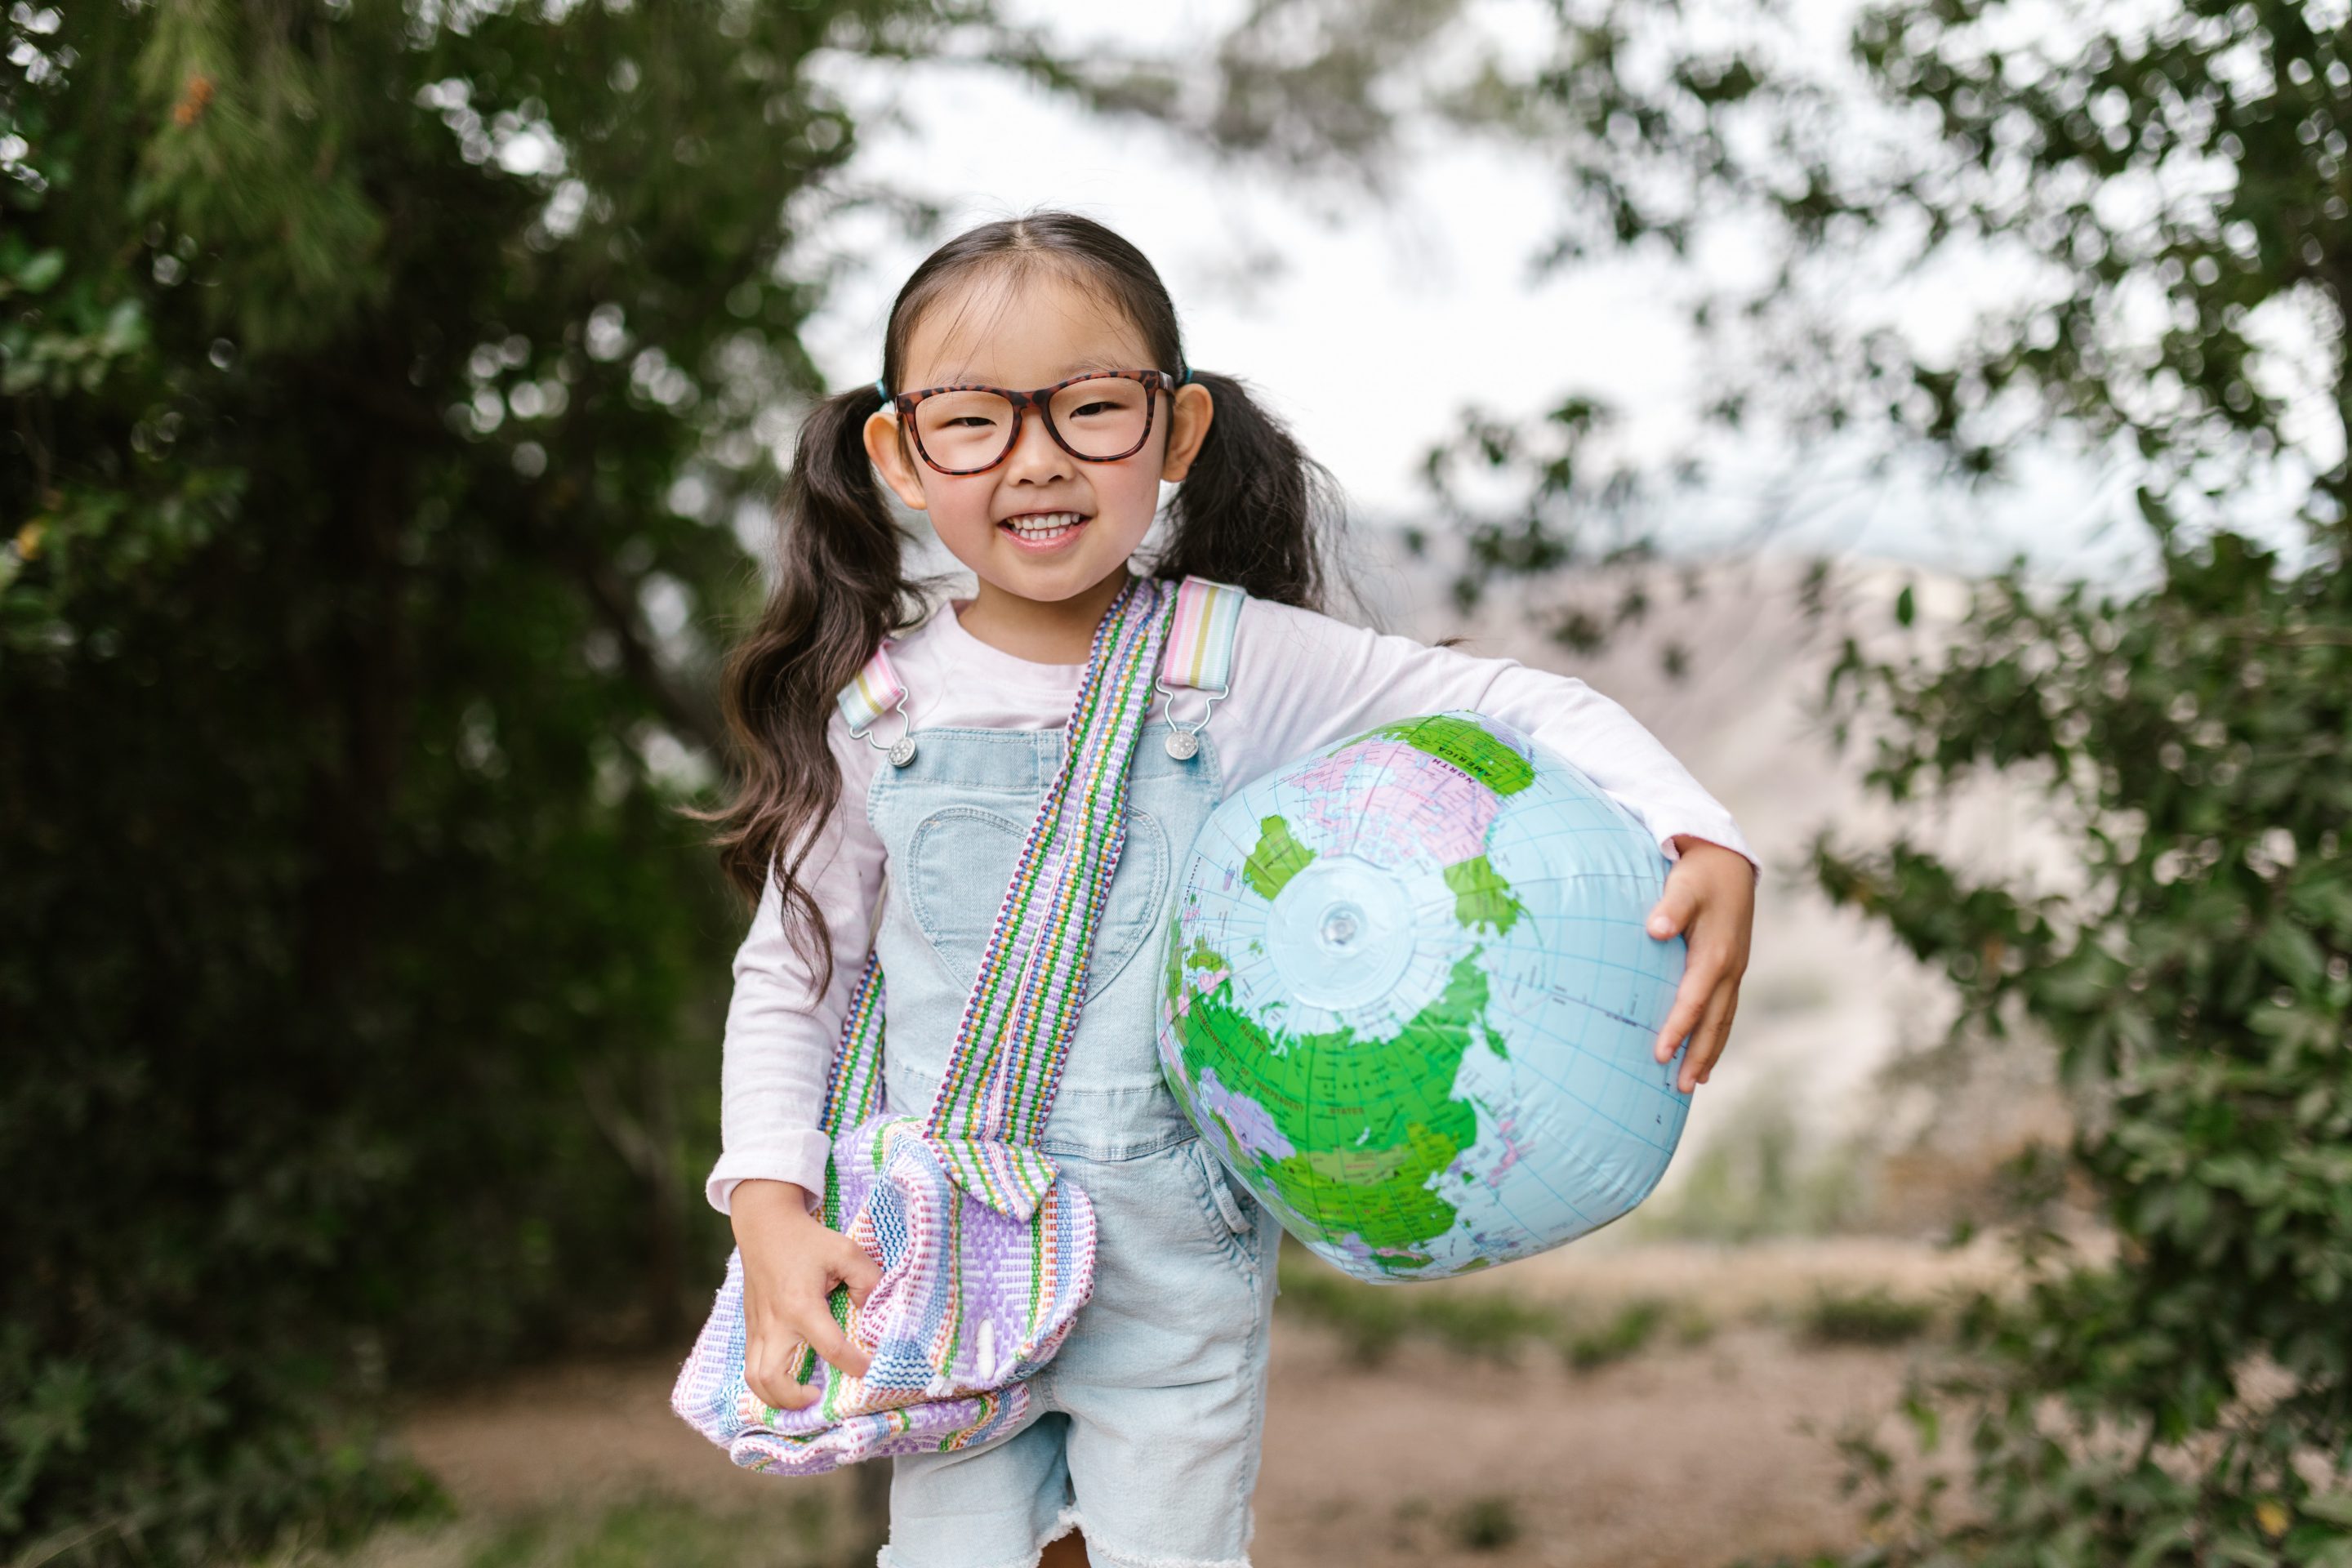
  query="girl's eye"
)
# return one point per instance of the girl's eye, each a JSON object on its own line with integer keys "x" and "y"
{"x": 969, "y": 421}
{"x": 1097, "y": 408}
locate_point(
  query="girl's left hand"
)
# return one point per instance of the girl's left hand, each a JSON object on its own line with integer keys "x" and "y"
{"x": 1710, "y": 898}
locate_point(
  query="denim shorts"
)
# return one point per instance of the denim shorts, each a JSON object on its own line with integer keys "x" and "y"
{"x": 1144, "y": 1431}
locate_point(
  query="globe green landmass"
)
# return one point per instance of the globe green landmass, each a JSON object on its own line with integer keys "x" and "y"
{"x": 1356, "y": 1169}
{"x": 1369, "y": 1121}
{"x": 1279, "y": 858}
{"x": 1466, "y": 746}
{"x": 1482, "y": 896}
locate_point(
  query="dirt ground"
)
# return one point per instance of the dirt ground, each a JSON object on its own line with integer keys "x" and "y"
{"x": 1685, "y": 1453}
{"x": 1685, "y": 1457}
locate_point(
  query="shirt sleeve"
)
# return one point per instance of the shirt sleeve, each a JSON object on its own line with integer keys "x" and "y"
{"x": 1302, "y": 680}
{"x": 781, "y": 1028}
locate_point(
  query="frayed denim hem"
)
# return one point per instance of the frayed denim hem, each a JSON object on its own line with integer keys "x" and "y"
{"x": 1067, "y": 1522}
{"x": 1072, "y": 1517}
{"x": 1106, "y": 1556}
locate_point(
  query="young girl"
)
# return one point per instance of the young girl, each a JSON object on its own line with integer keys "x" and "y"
{"x": 1148, "y": 1421}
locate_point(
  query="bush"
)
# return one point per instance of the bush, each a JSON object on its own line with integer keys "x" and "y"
{"x": 2198, "y": 992}
{"x": 1625, "y": 1333}
{"x": 1483, "y": 1524}
{"x": 1872, "y": 1317}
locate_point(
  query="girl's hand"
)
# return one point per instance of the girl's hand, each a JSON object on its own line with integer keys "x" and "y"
{"x": 790, "y": 1264}
{"x": 1710, "y": 898}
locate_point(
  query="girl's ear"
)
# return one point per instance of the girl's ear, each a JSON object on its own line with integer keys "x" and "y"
{"x": 1188, "y": 426}
{"x": 888, "y": 447}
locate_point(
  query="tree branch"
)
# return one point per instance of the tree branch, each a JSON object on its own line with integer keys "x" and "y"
{"x": 692, "y": 714}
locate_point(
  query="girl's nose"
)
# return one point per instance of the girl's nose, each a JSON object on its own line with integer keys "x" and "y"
{"x": 1035, "y": 458}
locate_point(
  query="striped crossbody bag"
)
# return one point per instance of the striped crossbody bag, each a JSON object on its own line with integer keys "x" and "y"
{"x": 986, "y": 1250}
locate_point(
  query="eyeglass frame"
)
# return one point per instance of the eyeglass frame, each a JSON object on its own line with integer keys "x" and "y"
{"x": 1041, "y": 399}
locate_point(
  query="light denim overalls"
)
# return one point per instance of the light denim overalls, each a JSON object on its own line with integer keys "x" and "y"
{"x": 1146, "y": 1428}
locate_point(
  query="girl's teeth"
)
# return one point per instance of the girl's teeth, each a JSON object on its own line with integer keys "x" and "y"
{"x": 1051, "y": 525}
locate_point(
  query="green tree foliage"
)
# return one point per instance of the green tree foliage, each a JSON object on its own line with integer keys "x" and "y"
{"x": 381, "y": 381}
{"x": 2182, "y": 183}
{"x": 2189, "y": 1401}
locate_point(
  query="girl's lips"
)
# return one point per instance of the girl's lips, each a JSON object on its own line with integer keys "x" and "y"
{"x": 1043, "y": 532}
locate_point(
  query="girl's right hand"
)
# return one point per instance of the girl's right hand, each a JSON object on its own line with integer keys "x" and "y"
{"x": 791, "y": 1261}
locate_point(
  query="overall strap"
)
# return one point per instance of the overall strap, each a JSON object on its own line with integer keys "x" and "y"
{"x": 1201, "y": 643}
{"x": 1199, "y": 656}
{"x": 876, "y": 690}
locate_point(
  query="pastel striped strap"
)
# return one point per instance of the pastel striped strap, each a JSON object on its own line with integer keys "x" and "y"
{"x": 853, "y": 1090}
{"x": 878, "y": 691}
{"x": 1201, "y": 644}
{"x": 1199, "y": 656}
{"x": 986, "y": 1256}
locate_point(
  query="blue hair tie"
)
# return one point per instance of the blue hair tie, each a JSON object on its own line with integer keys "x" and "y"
{"x": 881, "y": 391}
{"x": 1185, "y": 373}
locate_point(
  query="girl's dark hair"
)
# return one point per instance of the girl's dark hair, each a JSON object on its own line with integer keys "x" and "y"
{"x": 1253, "y": 510}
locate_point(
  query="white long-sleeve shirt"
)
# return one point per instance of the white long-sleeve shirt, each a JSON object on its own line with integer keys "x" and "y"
{"x": 1300, "y": 680}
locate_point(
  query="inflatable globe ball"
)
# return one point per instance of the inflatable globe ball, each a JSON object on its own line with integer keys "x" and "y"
{"x": 1411, "y": 1003}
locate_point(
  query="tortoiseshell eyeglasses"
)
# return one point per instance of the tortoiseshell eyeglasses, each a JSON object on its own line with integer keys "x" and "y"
{"x": 1098, "y": 417}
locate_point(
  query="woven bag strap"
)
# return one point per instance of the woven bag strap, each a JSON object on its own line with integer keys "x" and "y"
{"x": 1196, "y": 654}
{"x": 852, "y": 1087}
{"x": 1024, "y": 1005}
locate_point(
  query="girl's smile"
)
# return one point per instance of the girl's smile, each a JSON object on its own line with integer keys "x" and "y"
{"x": 1043, "y": 532}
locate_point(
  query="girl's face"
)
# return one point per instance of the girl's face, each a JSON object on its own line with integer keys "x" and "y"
{"x": 1041, "y": 525}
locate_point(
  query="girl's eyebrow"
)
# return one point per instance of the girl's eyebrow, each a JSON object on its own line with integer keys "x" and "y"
{"x": 1083, "y": 367}
{"x": 963, "y": 374}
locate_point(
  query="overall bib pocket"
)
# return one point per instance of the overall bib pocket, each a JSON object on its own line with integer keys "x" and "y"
{"x": 958, "y": 847}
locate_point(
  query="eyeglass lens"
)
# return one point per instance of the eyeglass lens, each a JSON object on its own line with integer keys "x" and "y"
{"x": 1103, "y": 417}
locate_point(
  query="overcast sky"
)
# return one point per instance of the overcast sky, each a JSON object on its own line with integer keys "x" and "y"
{"x": 1315, "y": 296}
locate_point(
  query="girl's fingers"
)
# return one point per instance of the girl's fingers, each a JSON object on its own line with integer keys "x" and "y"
{"x": 1714, "y": 1033}
{"x": 826, "y": 1338}
{"x": 1675, "y": 908}
{"x": 857, "y": 1271}
{"x": 1722, "y": 1034}
{"x": 1691, "y": 998}
{"x": 768, "y": 1375}
{"x": 1679, "y": 1019}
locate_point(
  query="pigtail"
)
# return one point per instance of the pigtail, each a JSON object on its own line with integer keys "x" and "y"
{"x": 842, "y": 588}
{"x": 1256, "y": 510}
